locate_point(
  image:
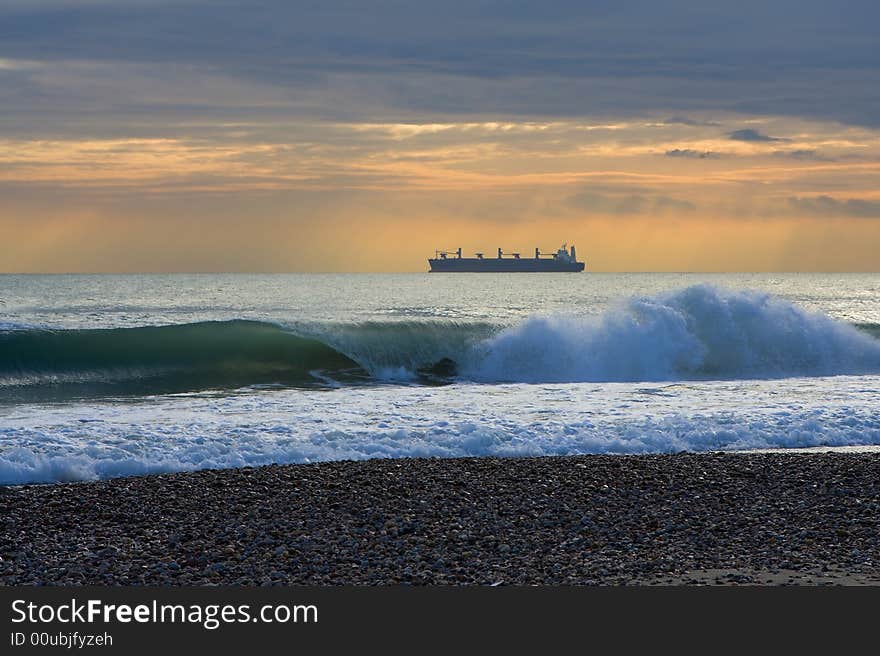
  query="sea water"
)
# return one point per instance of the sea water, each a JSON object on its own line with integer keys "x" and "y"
{"x": 104, "y": 376}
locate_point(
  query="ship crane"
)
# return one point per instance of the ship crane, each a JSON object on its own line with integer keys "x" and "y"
{"x": 442, "y": 255}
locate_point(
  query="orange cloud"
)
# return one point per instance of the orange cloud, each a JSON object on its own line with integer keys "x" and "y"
{"x": 333, "y": 196}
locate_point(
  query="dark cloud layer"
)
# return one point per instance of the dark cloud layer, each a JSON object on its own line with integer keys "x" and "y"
{"x": 694, "y": 154}
{"x": 341, "y": 58}
{"x": 684, "y": 120}
{"x": 751, "y": 135}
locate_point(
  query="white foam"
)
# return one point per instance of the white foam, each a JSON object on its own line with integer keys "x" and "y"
{"x": 701, "y": 332}
{"x": 7, "y": 326}
{"x": 88, "y": 441}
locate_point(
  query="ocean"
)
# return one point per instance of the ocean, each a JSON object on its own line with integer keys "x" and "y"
{"x": 105, "y": 375}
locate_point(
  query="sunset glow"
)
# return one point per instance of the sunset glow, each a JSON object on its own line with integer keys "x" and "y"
{"x": 152, "y": 165}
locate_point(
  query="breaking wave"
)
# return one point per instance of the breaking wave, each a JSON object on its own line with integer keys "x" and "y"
{"x": 700, "y": 332}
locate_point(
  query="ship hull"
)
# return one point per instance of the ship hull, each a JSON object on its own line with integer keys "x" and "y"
{"x": 495, "y": 265}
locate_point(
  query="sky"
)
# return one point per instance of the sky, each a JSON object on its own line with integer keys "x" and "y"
{"x": 278, "y": 135}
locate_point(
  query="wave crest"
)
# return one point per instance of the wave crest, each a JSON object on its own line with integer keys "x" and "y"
{"x": 700, "y": 332}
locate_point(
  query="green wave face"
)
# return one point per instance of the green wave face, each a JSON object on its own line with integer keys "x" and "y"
{"x": 163, "y": 359}
{"x": 46, "y": 365}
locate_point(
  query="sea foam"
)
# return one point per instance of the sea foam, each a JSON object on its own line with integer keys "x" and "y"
{"x": 742, "y": 370}
{"x": 701, "y": 332}
{"x": 88, "y": 441}
{"x": 698, "y": 333}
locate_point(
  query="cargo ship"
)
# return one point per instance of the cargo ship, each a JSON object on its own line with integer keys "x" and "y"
{"x": 453, "y": 262}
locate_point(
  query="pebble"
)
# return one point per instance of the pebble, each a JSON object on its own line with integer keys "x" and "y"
{"x": 726, "y": 519}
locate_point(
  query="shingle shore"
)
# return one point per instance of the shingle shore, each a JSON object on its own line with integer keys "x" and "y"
{"x": 684, "y": 518}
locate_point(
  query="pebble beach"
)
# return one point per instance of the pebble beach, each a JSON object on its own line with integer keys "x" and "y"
{"x": 703, "y": 519}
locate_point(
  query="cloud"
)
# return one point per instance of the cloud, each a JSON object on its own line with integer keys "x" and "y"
{"x": 696, "y": 154}
{"x": 17, "y": 64}
{"x": 684, "y": 120}
{"x": 803, "y": 154}
{"x": 751, "y": 135}
{"x": 628, "y": 204}
{"x": 829, "y": 206}
{"x": 399, "y": 59}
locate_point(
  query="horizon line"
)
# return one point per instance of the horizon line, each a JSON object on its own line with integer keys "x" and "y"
{"x": 287, "y": 273}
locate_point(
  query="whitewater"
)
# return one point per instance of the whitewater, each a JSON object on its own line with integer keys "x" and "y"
{"x": 108, "y": 376}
